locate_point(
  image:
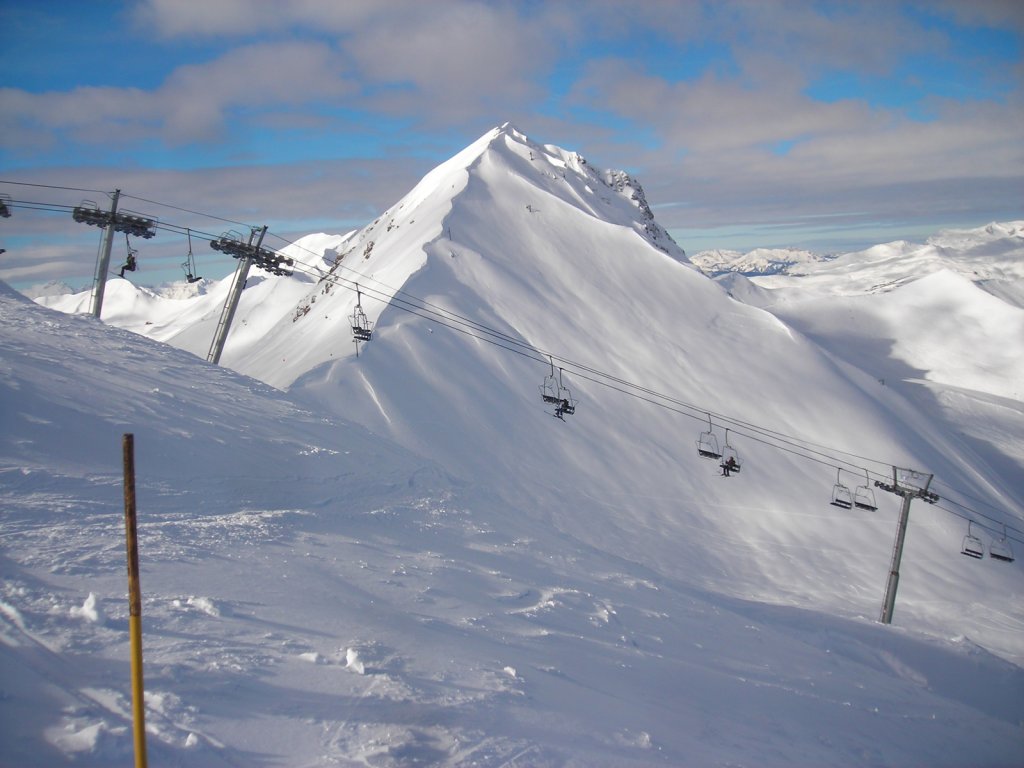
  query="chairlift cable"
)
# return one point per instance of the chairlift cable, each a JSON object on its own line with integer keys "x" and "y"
{"x": 31, "y": 205}
{"x": 572, "y": 366}
{"x": 979, "y": 514}
{"x": 53, "y": 186}
{"x": 451, "y": 320}
{"x": 797, "y": 446}
{"x": 1001, "y": 525}
{"x": 186, "y": 210}
{"x": 938, "y": 481}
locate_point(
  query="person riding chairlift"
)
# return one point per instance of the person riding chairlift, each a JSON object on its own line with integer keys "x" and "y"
{"x": 562, "y": 408}
{"x": 729, "y": 466}
{"x": 130, "y": 265}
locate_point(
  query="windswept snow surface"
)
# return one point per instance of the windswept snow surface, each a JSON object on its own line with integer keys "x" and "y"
{"x": 586, "y": 592}
{"x": 314, "y": 596}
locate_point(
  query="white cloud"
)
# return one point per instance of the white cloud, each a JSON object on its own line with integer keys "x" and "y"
{"x": 331, "y": 195}
{"x": 233, "y": 19}
{"x": 193, "y": 103}
{"x": 453, "y": 62}
{"x": 457, "y": 67}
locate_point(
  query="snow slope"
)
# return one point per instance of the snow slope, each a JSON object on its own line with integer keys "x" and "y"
{"x": 598, "y": 521}
{"x": 532, "y": 243}
{"x": 316, "y": 596}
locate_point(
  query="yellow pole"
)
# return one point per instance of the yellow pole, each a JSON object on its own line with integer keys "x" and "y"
{"x": 134, "y": 602}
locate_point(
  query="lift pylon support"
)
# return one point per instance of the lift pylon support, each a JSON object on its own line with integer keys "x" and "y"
{"x": 99, "y": 283}
{"x": 227, "y": 314}
{"x": 910, "y": 485}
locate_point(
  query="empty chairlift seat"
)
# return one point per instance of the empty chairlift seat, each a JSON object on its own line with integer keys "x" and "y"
{"x": 864, "y": 497}
{"x": 360, "y": 324}
{"x": 1000, "y": 549}
{"x": 841, "y": 496}
{"x": 972, "y": 545}
{"x": 707, "y": 443}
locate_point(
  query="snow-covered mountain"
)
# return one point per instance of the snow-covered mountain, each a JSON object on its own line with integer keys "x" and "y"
{"x": 512, "y": 252}
{"x": 759, "y": 261}
{"x": 989, "y": 256}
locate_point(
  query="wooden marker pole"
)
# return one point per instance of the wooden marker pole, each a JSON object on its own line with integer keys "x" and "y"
{"x": 134, "y": 603}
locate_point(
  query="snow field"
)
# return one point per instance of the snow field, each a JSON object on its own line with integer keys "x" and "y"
{"x": 407, "y": 561}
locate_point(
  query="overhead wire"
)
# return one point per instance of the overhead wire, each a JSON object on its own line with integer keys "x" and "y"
{"x": 53, "y": 186}
{"x": 628, "y": 388}
{"x": 804, "y": 449}
{"x": 974, "y": 514}
{"x": 602, "y": 378}
{"x": 33, "y": 205}
{"x": 404, "y": 301}
{"x": 506, "y": 341}
{"x": 186, "y": 210}
{"x": 574, "y": 367}
{"x": 454, "y": 321}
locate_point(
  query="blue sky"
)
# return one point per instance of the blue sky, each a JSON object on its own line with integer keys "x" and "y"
{"x": 827, "y": 125}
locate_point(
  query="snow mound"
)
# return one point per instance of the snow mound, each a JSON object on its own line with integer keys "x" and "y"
{"x": 90, "y": 610}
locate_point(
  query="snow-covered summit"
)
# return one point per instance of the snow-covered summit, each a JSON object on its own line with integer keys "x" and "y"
{"x": 501, "y": 180}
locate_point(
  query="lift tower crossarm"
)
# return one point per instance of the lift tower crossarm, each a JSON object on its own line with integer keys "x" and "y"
{"x": 110, "y": 221}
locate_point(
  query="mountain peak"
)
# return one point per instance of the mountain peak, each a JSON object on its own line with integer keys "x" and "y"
{"x": 508, "y": 129}
{"x": 578, "y": 182}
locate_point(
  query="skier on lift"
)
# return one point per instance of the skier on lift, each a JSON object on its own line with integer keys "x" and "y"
{"x": 129, "y": 265}
{"x": 729, "y": 466}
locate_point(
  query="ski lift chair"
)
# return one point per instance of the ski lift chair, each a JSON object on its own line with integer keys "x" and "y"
{"x": 189, "y": 265}
{"x": 566, "y": 405}
{"x": 1000, "y": 549}
{"x": 864, "y": 497}
{"x": 190, "y": 277}
{"x": 131, "y": 262}
{"x": 553, "y": 391}
{"x": 730, "y": 458}
{"x": 360, "y": 324}
{"x": 549, "y": 388}
{"x": 972, "y": 546}
{"x": 707, "y": 443}
{"x": 841, "y": 496}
